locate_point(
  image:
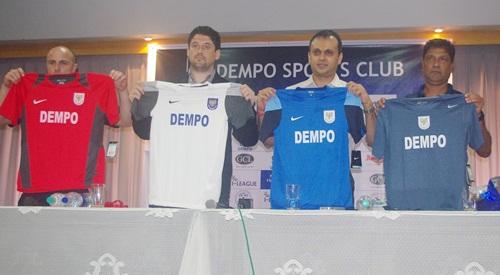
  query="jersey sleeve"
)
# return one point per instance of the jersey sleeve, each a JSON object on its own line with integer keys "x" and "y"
{"x": 239, "y": 111}
{"x": 109, "y": 102}
{"x": 13, "y": 103}
{"x": 242, "y": 119}
{"x": 141, "y": 114}
{"x": 271, "y": 120}
{"x": 355, "y": 118}
{"x": 378, "y": 147}
{"x": 474, "y": 131}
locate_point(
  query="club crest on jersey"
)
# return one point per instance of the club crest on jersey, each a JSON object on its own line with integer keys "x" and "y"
{"x": 212, "y": 103}
{"x": 329, "y": 116}
{"x": 424, "y": 122}
{"x": 78, "y": 98}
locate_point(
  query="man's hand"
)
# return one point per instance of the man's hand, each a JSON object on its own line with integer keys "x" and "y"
{"x": 12, "y": 77}
{"x": 360, "y": 91}
{"x": 248, "y": 94}
{"x": 380, "y": 103}
{"x": 120, "y": 80}
{"x": 262, "y": 97}
{"x": 369, "y": 110}
{"x": 122, "y": 93}
{"x": 136, "y": 93}
{"x": 265, "y": 94}
{"x": 476, "y": 100}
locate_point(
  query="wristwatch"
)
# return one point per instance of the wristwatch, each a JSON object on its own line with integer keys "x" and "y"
{"x": 370, "y": 110}
{"x": 480, "y": 117}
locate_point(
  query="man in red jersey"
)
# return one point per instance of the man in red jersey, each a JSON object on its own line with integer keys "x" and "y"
{"x": 62, "y": 115}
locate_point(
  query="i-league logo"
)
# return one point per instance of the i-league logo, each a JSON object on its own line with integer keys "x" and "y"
{"x": 424, "y": 122}
{"x": 78, "y": 98}
{"x": 212, "y": 103}
{"x": 329, "y": 116}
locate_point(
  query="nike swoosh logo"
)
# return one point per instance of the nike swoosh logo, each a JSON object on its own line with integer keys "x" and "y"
{"x": 38, "y": 101}
{"x": 173, "y": 101}
{"x": 356, "y": 158}
{"x": 452, "y": 106}
{"x": 296, "y": 118}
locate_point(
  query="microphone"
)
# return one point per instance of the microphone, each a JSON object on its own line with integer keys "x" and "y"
{"x": 210, "y": 204}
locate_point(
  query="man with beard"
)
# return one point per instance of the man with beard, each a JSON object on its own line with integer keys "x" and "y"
{"x": 203, "y": 51}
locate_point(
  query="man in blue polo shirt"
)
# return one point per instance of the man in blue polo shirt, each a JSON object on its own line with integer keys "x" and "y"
{"x": 333, "y": 190}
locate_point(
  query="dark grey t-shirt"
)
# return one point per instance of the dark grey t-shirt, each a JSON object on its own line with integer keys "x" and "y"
{"x": 424, "y": 145}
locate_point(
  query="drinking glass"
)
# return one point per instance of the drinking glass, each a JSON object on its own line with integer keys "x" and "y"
{"x": 292, "y": 196}
{"x": 97, "y": 195}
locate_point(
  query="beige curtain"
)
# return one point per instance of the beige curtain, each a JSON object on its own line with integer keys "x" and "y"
{"x": 477, "y": 69}
{"x": 124, "y": 174}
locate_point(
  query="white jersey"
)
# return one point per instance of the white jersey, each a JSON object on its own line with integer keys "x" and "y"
{"x": 187, "y": 142}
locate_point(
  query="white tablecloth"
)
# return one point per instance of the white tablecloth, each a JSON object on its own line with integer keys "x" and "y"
{"x": 213, "y": 242}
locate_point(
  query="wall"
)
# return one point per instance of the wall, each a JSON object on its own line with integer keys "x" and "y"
{"x": 72, "y": 19}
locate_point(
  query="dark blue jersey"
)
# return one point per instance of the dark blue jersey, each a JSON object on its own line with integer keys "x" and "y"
{"x": 424, "y": 145}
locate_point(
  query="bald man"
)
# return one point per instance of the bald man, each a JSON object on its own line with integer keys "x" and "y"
{"x": 61, "y": 60}
{"x": 62, "y": 147}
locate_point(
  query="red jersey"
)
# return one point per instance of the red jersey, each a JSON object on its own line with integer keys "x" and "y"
{"x": 62, "y": 121}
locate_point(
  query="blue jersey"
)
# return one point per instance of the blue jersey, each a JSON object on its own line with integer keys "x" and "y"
{"x": 424, "y": 145}
{"x": 311, "y": 147}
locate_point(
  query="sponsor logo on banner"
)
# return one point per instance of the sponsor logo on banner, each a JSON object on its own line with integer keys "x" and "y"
{"x": 329, "y": 116}
{"x": 212, "y": 103}
{"x": 243, "y": 148}
{"x": 237, "y": 182}
{"x": 78, "y": 98}
{"x": 377, "y": 179}
{"x": 242, "y": 194}
{"x": 265, "y": 179}
{"x": 267, "y": 196}
{"x": 244, "y": 159}
{"x": 373, "y": 159}
{"x": 424, "y": 122}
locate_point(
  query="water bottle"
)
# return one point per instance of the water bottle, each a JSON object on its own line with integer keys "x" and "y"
{"x": 57, "y": 200}
{"x": 71, "y": 199}
{"x": 364, "y": 203}
{"x": 74, "y": 199}
{"x": 87, "y": 200}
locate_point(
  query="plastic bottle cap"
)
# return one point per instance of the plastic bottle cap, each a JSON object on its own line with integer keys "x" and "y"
{"x": 50, "y": 200}
{"x": 65, "y": 200}
{"x": 365, "y": 203}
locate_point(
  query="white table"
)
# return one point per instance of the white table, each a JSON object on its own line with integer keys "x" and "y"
{"x": 189, "y": 242}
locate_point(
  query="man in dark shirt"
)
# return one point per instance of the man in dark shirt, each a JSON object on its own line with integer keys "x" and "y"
{"x": 203, "y": 51}
{"x": 437, "y": 65}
